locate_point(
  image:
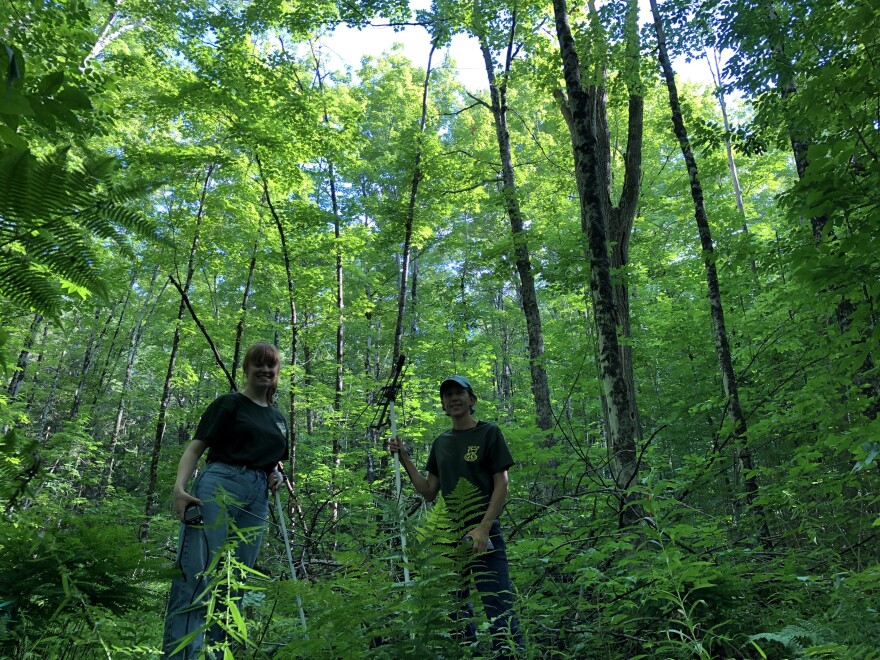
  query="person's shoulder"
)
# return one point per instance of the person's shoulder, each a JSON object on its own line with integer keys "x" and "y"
{"x": 489, "y": 427}
{"x": 231, "y": 399}
{"x": 228, "y": 401}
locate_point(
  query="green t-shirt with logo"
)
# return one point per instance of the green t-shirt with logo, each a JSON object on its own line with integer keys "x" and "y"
{"x": 476, "y": 454}
{"x": 241, "y": 432}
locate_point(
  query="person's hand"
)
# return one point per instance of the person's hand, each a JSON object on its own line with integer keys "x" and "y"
{"x": 480, "y": 537}
{"x": 275, "y": 479}
{"x": 182, "y": 499}
{"x": 396, "y": 446}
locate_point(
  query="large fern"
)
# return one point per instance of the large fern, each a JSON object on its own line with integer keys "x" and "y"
{"x": 50, "y": 215}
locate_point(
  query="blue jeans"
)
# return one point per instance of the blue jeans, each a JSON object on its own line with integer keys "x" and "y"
{"x": 231, "y": 495}
{"x": 491, "y": 573}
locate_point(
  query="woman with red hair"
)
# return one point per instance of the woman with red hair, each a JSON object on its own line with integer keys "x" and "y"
{"x": 245, "y": 437}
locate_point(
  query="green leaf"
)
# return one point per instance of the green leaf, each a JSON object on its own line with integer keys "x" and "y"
{"x": 74, "y": 98}
{"x": 10, "y": 137}
{"x": 13, "y": 102}
{"x": 50, "y": 83}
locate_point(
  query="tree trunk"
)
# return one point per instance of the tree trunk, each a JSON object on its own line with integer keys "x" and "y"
{"x": 137, "y": 333}
{"x": 410, "y": 215}
{"x": 153, "y": 477}
{"x": 239, "y": 327}
{"x": 742, "y": 451}
{"x": 99, "y": 388}
{"x": 621, "y": 217}
{"x": 592, "y": 184}
{"x": 24, "y": 358}
{"x": 35, "y": 385}
{"x": 728, "y": 145}
{"x": 294, "y": 324}
{"x": 510, "y": 199}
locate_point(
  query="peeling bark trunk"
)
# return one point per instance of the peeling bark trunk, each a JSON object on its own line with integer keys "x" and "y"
{"x": 583, "y": 108}
{"x": 742, "y": 451}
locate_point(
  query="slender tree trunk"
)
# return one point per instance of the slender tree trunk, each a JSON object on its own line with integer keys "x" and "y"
{"x": 137, "y": 333}
{"x": 92, "y": 349}
{"x": 410, "y": 215}
{"x": 24, "y": 358}
{"x": 743, "y": 454}
{"x": 153, "y": 476}
{"x": 728, "y": 144}
{"x": 239, "y": 327}
{"x": 294, "y": 324}
{"x": 510, "y": 198}
{"x": 592, "y": 186}
{"x": 99, "y": 388}
{"x": 88, "y": 355}
{"x": 308, "y": 384}
{"x": 340, "y": 328}
{"x": 35, "y": 385}
{"x": 413, "y": 299}
{"x": 44, "y": 423}
{"x": 505, "y": 377}
{"x": 340, "y": 298}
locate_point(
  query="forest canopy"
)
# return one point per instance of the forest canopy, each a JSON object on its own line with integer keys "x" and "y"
{"x": 663, "y": 292}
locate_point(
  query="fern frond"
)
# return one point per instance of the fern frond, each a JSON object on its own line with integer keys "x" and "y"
{"x": 26, "y": 288}
{"x": 50, "y": 214}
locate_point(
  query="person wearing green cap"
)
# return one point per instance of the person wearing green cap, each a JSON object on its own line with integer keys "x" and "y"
{"x": 474, "y": 450}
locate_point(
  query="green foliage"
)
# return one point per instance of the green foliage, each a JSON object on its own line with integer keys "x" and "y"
{"x": 51, "y": 212}
{"x": 175, "y": 92}
{"x": 73, "y": 583}
{"x": 18, "y": 461}
{"x": 52, "y": 209}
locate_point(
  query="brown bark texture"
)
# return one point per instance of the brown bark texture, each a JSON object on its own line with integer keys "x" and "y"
{"x": 510, "y": 199}
{"x": 583, "y": 107}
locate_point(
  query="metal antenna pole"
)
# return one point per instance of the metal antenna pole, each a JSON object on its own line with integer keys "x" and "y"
{"x": 386, "y": 407}
{"x": 400, "y": 514}
{"x": 302, "y": 614}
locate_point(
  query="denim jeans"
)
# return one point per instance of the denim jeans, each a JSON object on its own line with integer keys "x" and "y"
{"x": 491, "y": 573}
{"x": 230, "y": 495}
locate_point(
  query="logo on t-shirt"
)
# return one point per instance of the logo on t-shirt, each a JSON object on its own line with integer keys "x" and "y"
{"x": 281, "y": 427}
{"x": 471, "y": 454}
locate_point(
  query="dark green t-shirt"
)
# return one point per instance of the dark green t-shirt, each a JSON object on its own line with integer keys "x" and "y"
{"x": 476, "y": 454}
{"x": 241, "y": 432}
